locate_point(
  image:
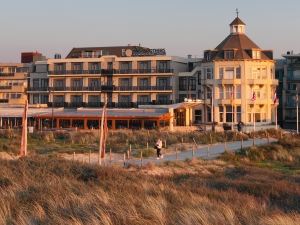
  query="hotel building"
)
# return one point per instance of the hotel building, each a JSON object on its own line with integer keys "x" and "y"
{"x": 13, "y": 83}
{"x": 125, "y": 76}
{"x": 228, "y": 78}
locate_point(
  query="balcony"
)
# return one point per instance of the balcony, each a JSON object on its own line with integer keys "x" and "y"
{"x": 7, "y": 74}
{"x": 66, "y": 72}
{"x": 56, "y": 104}
{"x": 79, "y": 88}
{"x": 257, "y": 81}
{"x": 142, "y": 88}
{"x": 94, "y": 104}
{"x": 142, "y": 71}
{"x": 5, "y": 87}
{"x": 3, "y": 100}
{"x": 38, "y": 89}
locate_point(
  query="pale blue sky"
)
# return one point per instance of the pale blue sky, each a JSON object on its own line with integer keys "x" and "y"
{"x": 181, "y": 26}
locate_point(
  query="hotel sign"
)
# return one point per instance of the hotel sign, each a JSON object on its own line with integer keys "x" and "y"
{"x": 145, "y": 52}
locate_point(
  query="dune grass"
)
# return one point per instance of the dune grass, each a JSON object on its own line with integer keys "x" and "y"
{"x": 49, "y": 190}
{"x": 119, "y": 141}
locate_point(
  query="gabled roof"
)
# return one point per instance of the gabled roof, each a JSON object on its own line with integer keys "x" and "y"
{"x": 237, "y": 21}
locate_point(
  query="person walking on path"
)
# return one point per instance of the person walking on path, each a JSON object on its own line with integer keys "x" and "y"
{"x": 158, "y": 147}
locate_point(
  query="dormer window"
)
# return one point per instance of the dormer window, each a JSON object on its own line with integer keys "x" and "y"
{"x": 228, "y": 54}
{"x": 256, "y": 54}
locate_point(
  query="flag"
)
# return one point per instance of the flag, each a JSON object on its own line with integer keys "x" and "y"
{"x": 275, "y": 99}
{"x": 253, "y": 97}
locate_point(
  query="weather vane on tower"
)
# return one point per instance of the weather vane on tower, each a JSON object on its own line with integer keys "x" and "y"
{"x": 237, "y": 12}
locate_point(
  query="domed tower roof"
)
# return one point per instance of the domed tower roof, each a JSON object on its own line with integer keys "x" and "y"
{"x": 237, "y": 46}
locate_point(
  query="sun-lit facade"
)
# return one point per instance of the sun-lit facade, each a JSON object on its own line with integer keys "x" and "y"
{"x": 230, "y": 77}
{"x": 13, "y": 83}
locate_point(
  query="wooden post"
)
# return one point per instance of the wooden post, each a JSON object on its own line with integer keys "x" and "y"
{"x": 242, "y": 142}
{"x": 89, "y": 156}
{"x": 253, "y": 139}
{"x": 210, "y": 137}
{"x": 147, "y": 146}
{"x": 176, "y": 154}
{"x": 141, "y": 158}
{"x": 124, "y": 160}
{"x": 208, "y": 151}
{"x": 128, "y": 155}
{"x": 130, "y": 148}
{"x": 193, "y": 151}
{"x": 110, "y": 156}
{"x": 165, "y": 143}
{"x": 268, "y": 138}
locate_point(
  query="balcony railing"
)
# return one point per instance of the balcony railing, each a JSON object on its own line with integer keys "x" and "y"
{"x": 7, "y": 74}
{"x": 38, "y": 89}
{"x": 111, "y": 71}
{"x": 142, "y": 88}
{"x": 5, "y": 87}
{"x": 3, "y": 100}
{"x": 64, "y": 72}
{"x": 79, "y": 88}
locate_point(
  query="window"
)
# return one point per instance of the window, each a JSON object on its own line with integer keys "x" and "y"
{"x": 77, "y": 67}
{"x": 59, "y": 83}
{"x": 256, "y": 54}
{"x": 144, "y": 82}
{"x": 143, "y": 99}
{"x": 163, "y": 99}
{"x": 229, "y": 114}
{"x": 221, "y": 114}
{"x": 192, "y": 83}
{"x": 239, "y": 113}
{"x": 183, "y": 83}
{"x": 77, "y": 83}
{"x": 94, "y": 98}
{"x": 238, "y": 73}
{"x": 94, "y": 66}
{"x": 221, "y": 73}
{"x": 94, "y": 82}
{"x": 209, "y": 73}
{"x": 125, "y": 67}
{"x": 229, "y": 73}
{"x": 228, "y": 91}
{"x": 199, "y": 74}
{"x": 36, "y": 99}
{"x": 44, "y": 99}
{"x": 163, "y": 82}
{"x": 59, "y": 67}
{"x": 76, "y": 98}
{"x": 124, "y": 98}
{"x": 35, "y": 83}
{"x": 228, "y": 54}
{"x": 59, "y": 98}
{"x": 124, "y": 82}
{"x": 144, "y": 66}
{"x": 44, "y": 83}
{"x": 198, "y": 116}
{"x": 238, "y": 90}
{"x": 163, "y": 66}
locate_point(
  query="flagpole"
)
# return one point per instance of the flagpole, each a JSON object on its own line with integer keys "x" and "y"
{"x": 232, "y": 108}
{"x": 23, "y": 149}
{"x": 297, "y": 106}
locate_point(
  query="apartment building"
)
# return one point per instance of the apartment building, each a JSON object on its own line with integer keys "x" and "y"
{"x": 13, "y": 83}
{"x": 38, "y": 86}
{"x": 288, "y": 73}
{"x": 124, "y": 76}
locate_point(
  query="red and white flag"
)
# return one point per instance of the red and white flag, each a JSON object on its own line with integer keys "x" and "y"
{"x": 253, "y": 97}
{"x": 275, "y": 99}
